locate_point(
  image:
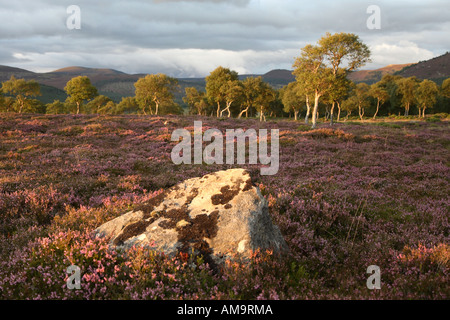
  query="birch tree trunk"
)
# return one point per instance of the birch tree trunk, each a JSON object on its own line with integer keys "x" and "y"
{"x": 315, "y": 110}
{"x": 361, "y": 112}
{"x": 339, "y": 112}
{"x": 407, "y": 110}
{"x": 218, "y": 109}
{"x": 378, "y": 108}
{"x": 331, "y": 113}
{"x": 242, "y": 112}
{"x": 308, "y": 110}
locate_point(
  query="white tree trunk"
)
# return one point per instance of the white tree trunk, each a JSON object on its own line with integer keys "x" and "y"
{"x": 339, "y": 112}
{"x": 331, "y": 113}
{"x": 378, "y": 108}
{"x": 361, "y": 112}
{"x": 308, "y": 110}
{"x": 218, "y": 109}
{"x": 242, "y": 112}
{"x": 315, "y": 110}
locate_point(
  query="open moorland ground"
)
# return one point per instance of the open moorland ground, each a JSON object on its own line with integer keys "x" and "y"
{"x": 345, "y": 197}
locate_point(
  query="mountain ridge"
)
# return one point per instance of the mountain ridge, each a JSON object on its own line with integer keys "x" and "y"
{"x": 437, "y": 68}
{"x": 117, "y": 84}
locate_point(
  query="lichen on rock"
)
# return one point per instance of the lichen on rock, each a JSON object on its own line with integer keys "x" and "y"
{"x": 217, "y": 215}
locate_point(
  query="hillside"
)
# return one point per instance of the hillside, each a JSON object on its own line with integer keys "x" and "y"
{"x": 6, "y": 73}
{"x": 82, "y": 70}
{"x": 279, "y": 77}
{"x": 436, "y": 69}
{"x": 372, "y": 76}
{"x": 116, "y": 84}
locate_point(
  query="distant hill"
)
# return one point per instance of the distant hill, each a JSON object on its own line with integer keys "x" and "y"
{"x": 279, "y": 77}
{"x": 372, "y": 76}
{"x": 436, "y": 69}
{"x": 116, "y": 84}
{"x": 82, "y": 70}
{"x": 98, "y": 77}
{"x": 110, "y": 82}
{"x": 6, "y": 73}
{"x": 48, "y": 93}
{"x": 276, "y": 78}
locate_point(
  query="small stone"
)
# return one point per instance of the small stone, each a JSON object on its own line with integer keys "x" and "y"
{"x": 182, "y": 223}
{"x": 142, "y": 237}
{"x": 155, "y": 214}
{"x": 241, "y": 246}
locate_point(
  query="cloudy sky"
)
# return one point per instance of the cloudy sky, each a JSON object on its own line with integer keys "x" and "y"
{"x": 191, "y": 38}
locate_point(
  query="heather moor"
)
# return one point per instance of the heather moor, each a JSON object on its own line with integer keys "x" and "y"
{"x": 325, "y": 181}
{"x": 345, "y": 198}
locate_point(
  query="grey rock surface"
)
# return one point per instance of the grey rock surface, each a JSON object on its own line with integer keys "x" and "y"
{"x": 219, "y": 215}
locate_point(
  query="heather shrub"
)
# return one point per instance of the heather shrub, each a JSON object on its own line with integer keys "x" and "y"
{"x": 70, "y": 131}
{"x": 39, "y": 271}
{"x": 419, "y": 272}
{"x": 345, "y": 197}
{"x": 32, "y": 207}
{"x": 388, "y": 124}
{"x": 265, "y": 276}
{"x": 433, "y": 119}
{"x": 327, "y": 132}
{"x": 433, "y": 259}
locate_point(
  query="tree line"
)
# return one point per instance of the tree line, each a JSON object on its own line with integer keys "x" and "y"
{"x": 152, "y": 92}
{"x": 321, "y": 85}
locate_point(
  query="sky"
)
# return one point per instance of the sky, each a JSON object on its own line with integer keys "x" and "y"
{"x": 191, "y": 38}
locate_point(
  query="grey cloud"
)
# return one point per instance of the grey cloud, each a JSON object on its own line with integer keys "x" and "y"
{"x": 240, "y": 3}
{"x": 122, "y": 30}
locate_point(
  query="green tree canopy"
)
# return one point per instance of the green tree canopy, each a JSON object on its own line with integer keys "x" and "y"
{"x": 56, "y": 107}
{"x": 361, "y": 94}
{"x": 127, "y": 105}
{"x": 319, "y": 66}
{"x": 233, "y": 91}
{"x": 196, "y": 100}
{"x": 156, "y": 89}
{"x": 344, "y": 51}
{"x": 407, "y": 88}
{"x": 251, "y": 89}
{"x": 98, "y": 104}
{"x": 217, "y": 86}
{"x": 445, "y": 88}
{"x": 313, "y": 75}
{"x": 379, "y": 93}
{"x": 426, "y": 95}
{"x": 22, "y": 90}
{"x": 292, "y": 99}
{"x": 80, "y": 89}
{"x": 263, "y": 101}
{"x": 339, "y": 90}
